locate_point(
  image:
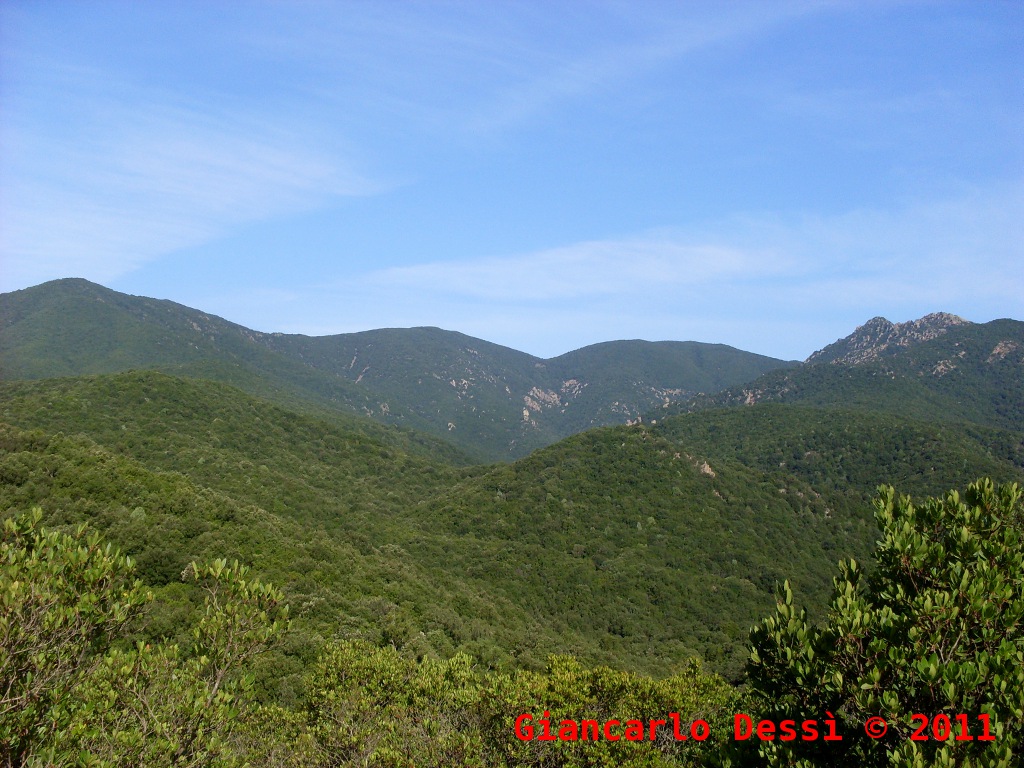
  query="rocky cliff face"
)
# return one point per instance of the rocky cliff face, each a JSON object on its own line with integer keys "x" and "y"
{"x": 878, "y": 337}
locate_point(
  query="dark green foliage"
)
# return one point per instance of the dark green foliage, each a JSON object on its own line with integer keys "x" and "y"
{"x": 938, "y": 629}
{"x": 247, "y": 447}
{"x": 614, "y": 545}
{"x": 618, "y": 545}
{"x": 972, "y": 373}
{"x": 468, "y": 391}
{"x": 620, "y": 536}
{"x": 347, "y": 578}
{"x": 841, "y": 452}
{"x": 502, "y": 403}
{"x": 74, "y": 327}
{"x": 455, "y": 384}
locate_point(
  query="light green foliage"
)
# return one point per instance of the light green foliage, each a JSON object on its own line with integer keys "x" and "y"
{"x": 372, "y": 706}
{"x": 938, "y": 629}
{"x": 62, "y": 600}
{"x": 168, "y": 708}
{"x": 571, "y": 691}
{"x": 71, "y": 696}
{"x": 241, "y": 618}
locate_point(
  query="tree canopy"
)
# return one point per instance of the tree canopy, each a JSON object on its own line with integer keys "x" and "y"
{"x": 934, "y": 633}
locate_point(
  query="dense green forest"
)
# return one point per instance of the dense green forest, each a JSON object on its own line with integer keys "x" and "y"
{"x": 614, "y": 545}
{"x": 268, "y": 575}
{"x": 632, "y": 546}
{"x": 971, "y": 373}
{"x": 491, "y": 402}
{"x": 936, "y": 630}
{"x": 634, "y": 549}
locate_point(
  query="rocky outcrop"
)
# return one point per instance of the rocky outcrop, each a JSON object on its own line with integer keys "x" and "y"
{"x": 879, "y": 336}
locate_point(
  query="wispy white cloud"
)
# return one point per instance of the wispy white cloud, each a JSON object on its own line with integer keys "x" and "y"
{"x": 926, "y": 248}
{"x": 579, "y": 271}
{"x": 781, "y": 285}
{"x": 132, "y": 175}
{"x": 468, "y": 69}
{"x": 659, "y": 37}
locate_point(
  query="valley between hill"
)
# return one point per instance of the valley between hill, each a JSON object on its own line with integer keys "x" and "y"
{"x": 638, "y": 525}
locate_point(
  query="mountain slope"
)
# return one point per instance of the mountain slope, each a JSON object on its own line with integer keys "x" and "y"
{"x": 73, "y": 327}
{"x": 633, "y": 546}
{"x": 612, "y": 545}
{"x": 337, "y": 585}
{"x": 224, "y": 439}
{"x": 620, "y": 531}
{"x": 506, "y": 403}
{"x": 843, "y": 454}
{"x": 491, "y": 401}
{"x": 659, "y": 370}
{"x": 949, "y": 371}
{"x": 878, "y": 337}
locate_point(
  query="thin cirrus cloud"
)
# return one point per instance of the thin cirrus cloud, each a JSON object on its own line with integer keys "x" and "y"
{"x": 543, "y": 85}
{"x": 926, "y": 254}
{"x": 143, "y": 177}
{"x": 779, "y": 285}
{"x": 578, "y": 271}
{"x": 498, "y": 66}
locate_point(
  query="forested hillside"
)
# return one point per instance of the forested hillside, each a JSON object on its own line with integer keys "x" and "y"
{"x": 841, "y": 452}
{"x": 432, "y": 599}
{"x": 620, "y": 545}
{"x": 492, "y": 402}
{"x": 630, "y": 546}
{"x": 949, "y": 583}
{"x": 963, "y": 372}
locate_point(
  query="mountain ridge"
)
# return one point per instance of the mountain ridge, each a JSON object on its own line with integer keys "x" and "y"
{"x": 878, "y": 336}
{"x": 636, "y": 545}
{"x": 491, "y": 401}
{"x": 967, "y": 372}
{"x": 494, "y": 403}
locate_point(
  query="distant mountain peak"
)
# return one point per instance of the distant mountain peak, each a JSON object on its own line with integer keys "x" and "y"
{"x": 878, "y": 335}
{"x": 496, "y": 402}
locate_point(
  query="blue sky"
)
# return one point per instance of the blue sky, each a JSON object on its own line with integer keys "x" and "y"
{"x": 544, "y": 175}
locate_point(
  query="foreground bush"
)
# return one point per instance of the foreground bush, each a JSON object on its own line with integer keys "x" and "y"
{"x": 70, "y": 696}
{"x": 934, "y": 632}
{"x": 372, "y": 706}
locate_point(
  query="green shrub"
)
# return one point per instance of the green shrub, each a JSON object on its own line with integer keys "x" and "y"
{"x": 71, "y": 694}
{"x": 936, "y": 630}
